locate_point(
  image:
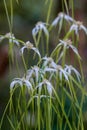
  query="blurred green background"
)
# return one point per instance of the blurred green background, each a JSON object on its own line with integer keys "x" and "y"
{"x": 26, "y": 14}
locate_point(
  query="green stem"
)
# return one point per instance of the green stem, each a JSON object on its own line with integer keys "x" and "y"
{"x": 63, "y": 111}
{"x": 80, "y": 121}
{"x": 67, "y": 10}
{"x": 11, "y": 5}
{"x": 64, "y": 56}
{"x": 38, "y": 105}
{"x": 47, "y": 44}
{"x": 49, "y": 11}
{"x": 8, "y": 19}
{"x": 24, "y": 63}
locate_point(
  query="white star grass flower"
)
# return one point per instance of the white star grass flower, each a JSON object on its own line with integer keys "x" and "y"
{"x": 47, "y": 84}
{"x": 21, "y": 82}
{"x": 29, "y": 74}
{"x": 36, "y": 71}
{"x": 40, "y": 26}
{"x": 33, "y": 72}
{"x": 68, "y": 44}
{"x": 51, "y": 66}
{"x": 11, "y": 38}
{"x": 62, "y": 73}
{"x": 48, "y": 61}
{"x": 49, "y": 69}
{"x": 60, "y": 17}
{"x": 77, "y": 26}
{"x": 29, "y": 45}
{"x": 70, "y": 69}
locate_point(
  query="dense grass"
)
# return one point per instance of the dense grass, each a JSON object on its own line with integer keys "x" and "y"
{"x": 50, "y": 95}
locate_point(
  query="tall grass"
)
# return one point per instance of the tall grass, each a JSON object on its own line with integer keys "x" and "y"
{"x": 46, "y": 97}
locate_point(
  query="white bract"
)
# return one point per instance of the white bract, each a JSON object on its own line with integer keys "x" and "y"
{"x": 62, "y": 73}
{"x": 33, "y": 73}
{"x": 60, "y": 17}
{"x": 68, "y": 44}
{"x": 51, "y": 66}
{"x": 29, "y": 45}
{"x": 47, "y": 84}
{"x": 77, "y": 26}
{"x": 11, "y": 38}
{"x": 48, "y": 61}
{"x": 40, "y": 26}
{"x": 21, "y": 82}
{"x": 70, "y": 69}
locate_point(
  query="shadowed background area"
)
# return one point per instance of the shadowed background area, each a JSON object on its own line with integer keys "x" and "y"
{"x": 26, "y": 14}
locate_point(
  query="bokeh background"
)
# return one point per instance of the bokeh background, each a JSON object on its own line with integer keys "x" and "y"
{"x": 26, "y": 14}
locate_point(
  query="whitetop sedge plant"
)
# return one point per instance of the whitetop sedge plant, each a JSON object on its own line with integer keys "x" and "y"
{"x": 46, "y": 97}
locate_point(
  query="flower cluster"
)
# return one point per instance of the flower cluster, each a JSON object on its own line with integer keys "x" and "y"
{"x": 29, "y": 45}
{"x": 35, "y": 77}
{"x": 60, "y": 18}
{"x": 75, "y": 25}
{"x": 40, "y": 26}
{"x": 11, "y": 38}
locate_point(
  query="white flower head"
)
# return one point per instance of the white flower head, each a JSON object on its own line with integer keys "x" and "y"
{"x": 48, "y": 61}
{"x": 11, "y": 38}
{"x": 40, "y": 26}
{"x": 33, "y": 72}
{"x": 70, "y": 69}
{"x": 77, "y": 26}
{"x": 21, "y": 82}
{"x": 49, "y": 69}
{"x": 60, "y": 17}
{"x": 47, "y": 84}
{"x": 62, "y": 72}
{"x": 29, "y": 45}
{"x": 68, "y": 44}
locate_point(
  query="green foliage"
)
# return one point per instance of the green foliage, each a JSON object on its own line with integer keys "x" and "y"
{"x": 46, "y": 97}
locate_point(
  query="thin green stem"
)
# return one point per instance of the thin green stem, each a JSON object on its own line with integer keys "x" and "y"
{"x": 49, "y": 11}
{"x": 38, "y": 105}
{"x": 64, "y": 113}
{"x": 64, "y": 56}
{"x": 11, "y": 5}
{"x": 24, "y": 63}
{"x": 66, "y": 5}
{"x": 8, "y": 19}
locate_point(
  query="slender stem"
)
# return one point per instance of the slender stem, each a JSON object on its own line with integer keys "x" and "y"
{"x": 8, "y": 19}
{"x": 11, "y": 5}
{"x": 49, "y": 11}
{"x": 64, "y": 56}
{"x": 64, "y": 113}
{"x": 38, "y": 105}
{"x": 63, "y": 5}
{"x": 38, "y": 40}
{"x": 80, "y": 121}
{"x": 47, "y": 44}
{"x": 67, "y": 10}
{"x": 24, "y": 63}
